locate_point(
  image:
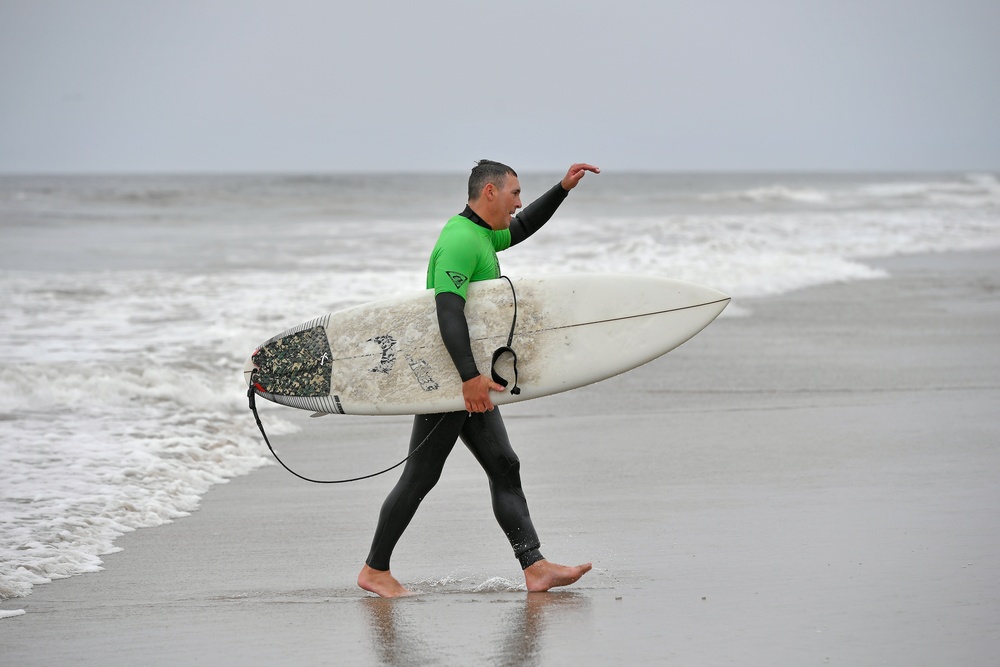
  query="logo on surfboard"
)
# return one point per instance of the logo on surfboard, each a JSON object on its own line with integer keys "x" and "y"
{"x": 388, "y": 346}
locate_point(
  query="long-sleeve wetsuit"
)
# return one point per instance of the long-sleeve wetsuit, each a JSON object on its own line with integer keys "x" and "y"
{"x": 466, "y": 252}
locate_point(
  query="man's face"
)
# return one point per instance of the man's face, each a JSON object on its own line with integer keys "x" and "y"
{"x": 508, "y": 201}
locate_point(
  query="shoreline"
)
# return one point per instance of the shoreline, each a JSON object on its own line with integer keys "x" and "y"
{"x": 816, "y": 480}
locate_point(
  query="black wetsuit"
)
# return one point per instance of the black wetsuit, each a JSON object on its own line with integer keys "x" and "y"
{"x": 483, "y": 433}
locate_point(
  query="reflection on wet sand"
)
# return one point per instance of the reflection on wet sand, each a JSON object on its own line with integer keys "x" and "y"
{"x": 403, "y": 634}
{"x": 395, "y": 642}
{"x": 523, "y": 640}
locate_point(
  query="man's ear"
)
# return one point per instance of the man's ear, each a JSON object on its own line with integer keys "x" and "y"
{"x": 490, "y": 191}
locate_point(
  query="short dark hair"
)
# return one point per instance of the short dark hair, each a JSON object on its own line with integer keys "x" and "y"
{"x": 488, "y": 171}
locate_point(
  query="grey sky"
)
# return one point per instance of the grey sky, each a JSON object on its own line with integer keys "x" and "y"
{"x": 294, "y": 85}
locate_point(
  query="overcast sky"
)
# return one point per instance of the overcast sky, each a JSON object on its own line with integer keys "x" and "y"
{"x": 394, "y": 85}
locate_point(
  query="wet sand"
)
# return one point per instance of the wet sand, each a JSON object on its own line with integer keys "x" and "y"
{"x": 816, "y": 483}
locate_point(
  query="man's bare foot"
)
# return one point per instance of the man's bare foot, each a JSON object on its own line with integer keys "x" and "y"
{"x": 381, "y": 582}
{"x": 543, "y": 575}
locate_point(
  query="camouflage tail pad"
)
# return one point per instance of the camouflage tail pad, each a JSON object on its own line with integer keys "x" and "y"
{"x": 295, "y": 365}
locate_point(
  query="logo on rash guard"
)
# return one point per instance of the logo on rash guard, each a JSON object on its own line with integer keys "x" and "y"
{"x": 457, "y": 278}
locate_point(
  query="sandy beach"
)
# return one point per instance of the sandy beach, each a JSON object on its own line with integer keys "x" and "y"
{"x": 816, "y": 483}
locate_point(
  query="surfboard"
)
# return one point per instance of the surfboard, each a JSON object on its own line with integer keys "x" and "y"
{"x": 387, "y": 357}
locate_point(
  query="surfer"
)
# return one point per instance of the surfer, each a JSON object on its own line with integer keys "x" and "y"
{"x": 466, "y": 251}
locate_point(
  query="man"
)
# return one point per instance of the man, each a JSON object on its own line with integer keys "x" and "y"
{"x": 466, "y": 252}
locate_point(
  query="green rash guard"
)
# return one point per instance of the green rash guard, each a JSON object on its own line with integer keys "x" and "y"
{"x": 465, "y": 252}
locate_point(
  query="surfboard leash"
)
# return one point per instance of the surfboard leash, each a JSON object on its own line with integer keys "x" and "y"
{"x": 500, "y": 351}
{"x": 251, "y": 395}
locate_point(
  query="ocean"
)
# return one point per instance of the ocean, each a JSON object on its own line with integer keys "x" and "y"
{"x": 128, "y": 304}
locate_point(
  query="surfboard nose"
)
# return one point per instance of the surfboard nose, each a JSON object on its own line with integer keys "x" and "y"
{"x": 705, "y": 294}
{"x": 708, "y": 298}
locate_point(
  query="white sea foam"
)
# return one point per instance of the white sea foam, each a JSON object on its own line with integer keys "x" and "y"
{"x": 128, "y": 309}
{"x": 775, "y": 193}
{"x": 754, "y": 255}
{"x": 974, "y": 190}
{"x": 471, "y": 583}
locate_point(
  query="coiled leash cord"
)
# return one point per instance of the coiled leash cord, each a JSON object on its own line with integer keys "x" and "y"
{"x": 515, "y": 390}
{"x": 500, "y": 351}
{"x": 251, "y": 395}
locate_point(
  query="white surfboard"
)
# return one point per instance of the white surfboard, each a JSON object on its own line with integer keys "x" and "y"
{"x": 387, "y": 357}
